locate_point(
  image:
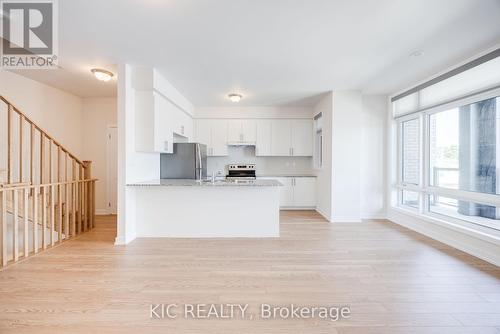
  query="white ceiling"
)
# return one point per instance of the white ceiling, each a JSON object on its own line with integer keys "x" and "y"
{"x": 274, "y": 52}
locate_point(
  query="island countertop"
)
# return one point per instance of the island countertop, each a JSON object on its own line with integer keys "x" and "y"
{"x": 196, "y": 183}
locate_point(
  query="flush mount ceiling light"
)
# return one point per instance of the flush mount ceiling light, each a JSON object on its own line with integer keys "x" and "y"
{"x": 416, "y": 54}
{"x": 235, "y": 97}
{"x": 101, "y": 74}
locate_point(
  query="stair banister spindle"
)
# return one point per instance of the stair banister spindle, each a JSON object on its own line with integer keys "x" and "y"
{"x": 56, "y": 202}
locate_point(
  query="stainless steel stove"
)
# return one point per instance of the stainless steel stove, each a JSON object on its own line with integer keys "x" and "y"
{"x": 241, "y": 172}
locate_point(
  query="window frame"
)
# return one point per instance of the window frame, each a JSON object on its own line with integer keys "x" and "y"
{"x": 424, "y": 188}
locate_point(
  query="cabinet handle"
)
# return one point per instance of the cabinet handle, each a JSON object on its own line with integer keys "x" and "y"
{"x": 292, "y": 151}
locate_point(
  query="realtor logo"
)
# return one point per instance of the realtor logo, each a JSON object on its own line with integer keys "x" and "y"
{"x": 29, "y": 34}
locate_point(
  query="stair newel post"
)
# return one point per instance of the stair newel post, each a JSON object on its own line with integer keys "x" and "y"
{"x": 89, "y": 194}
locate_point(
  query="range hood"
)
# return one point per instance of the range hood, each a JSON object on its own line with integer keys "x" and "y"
{"x": 240, "y": 143}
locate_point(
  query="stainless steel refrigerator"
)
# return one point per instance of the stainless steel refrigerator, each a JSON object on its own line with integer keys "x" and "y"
{"x": 189, "y": 161}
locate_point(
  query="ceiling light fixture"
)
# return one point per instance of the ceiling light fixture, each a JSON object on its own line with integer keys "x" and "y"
{"x": 416, "y": 54}
{"x": 101, "y": 74}
{"x": 235, "y": 97}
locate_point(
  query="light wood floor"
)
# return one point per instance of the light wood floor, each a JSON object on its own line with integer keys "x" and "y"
{"x": 394, "y": 280}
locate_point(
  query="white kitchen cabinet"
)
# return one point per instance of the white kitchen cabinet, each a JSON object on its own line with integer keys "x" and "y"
{"x": 304, "y": 191}
{"x": 213, "y": 133}
{"x": 292, "y": 137}
{"x": 183, "y": 123}
{"x": 280, "y": 137}
{"x": 153, "y": 123}
{"x": 276, "y": 137}
{"x": 234, "y": 130}
{"x": 286, "y": 192}
{"x": 302, "y": 137}
{"x": 249, "y": 130}
{"x": 219, "y": 138}
{"x": 263, "y": 145}
{"x": 241, "y": 131}
{"x": 296, "y": 192}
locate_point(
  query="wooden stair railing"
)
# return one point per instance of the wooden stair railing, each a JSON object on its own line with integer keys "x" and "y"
{"x": 45, "y": 191}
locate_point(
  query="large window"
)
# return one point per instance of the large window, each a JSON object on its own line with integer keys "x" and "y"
{"x": 462, "y": 158}
{"x": 463, "y": 147}
{"x": 411, "y": 151}
{"x": 449, "y": 145}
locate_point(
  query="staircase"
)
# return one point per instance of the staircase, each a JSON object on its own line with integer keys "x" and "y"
{"x": 47, "y": 195}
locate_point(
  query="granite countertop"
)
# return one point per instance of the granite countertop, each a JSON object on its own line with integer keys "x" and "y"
{"x": 195, "y": 183}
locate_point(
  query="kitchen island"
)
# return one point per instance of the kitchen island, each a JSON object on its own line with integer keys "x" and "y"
{"x": 194, "y": 209}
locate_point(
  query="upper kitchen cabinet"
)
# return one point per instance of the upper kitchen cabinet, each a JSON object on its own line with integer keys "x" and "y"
{"x": 292, "y": 137}
{"x": 302, "y": 137}
{"x": 241, "y": 131}
{"x": 281, "y": 137}
{"x": 284, "y": 137}
{"x": 153, "y": 121}
{"x": 213, "y": 133}
{"x": 160, "y": 111}
{"x": 182, "y": 124}
{"x": 263, "y": 145}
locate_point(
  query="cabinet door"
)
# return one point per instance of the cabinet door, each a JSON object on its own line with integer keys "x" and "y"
{"x": 234, "y": 134}
{"x": 219, "y": 138}
{"x": 177, "y": 118}
{"x": 263, "y": 138}
{"x": 163, "y": 134}
{"x": 302, "y": 137}
{"x": 286, "y": 192}
{"x": 187, "y": 127}
{"x": 280, "y": 138}
{"x": 248, "y": 130}
{"x": 304, "y": 191}
{"x": 204, "y": 132}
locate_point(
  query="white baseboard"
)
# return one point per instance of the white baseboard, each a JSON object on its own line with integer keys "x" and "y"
{"x": 346, "y": 219}
{"x": 318, "y": 210}
{"x": 102, "y": 212}
{"x": 474, "y": 245}
{"x": 120, "y": 241}
{"x": 374, "y": 216}
{"x": 297, "y": 208}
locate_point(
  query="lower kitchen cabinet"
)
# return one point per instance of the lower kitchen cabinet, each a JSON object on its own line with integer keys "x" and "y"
{"x": 304, "y": 191}
{"x": 297, "y": 192}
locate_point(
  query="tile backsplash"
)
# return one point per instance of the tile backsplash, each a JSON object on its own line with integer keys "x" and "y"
{"x": 265, "y": 165}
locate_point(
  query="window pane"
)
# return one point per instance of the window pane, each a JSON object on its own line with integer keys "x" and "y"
{"x": 411, "y": 151}
{"x": 463, "y": 147}
{"x": 480, "y": 214}
{"x": 410, "y": 198}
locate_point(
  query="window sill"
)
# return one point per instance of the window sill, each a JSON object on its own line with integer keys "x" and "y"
{"x": 479, "y": 232}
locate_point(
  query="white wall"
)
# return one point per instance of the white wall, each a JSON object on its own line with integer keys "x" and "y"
{"x": 351, "y": 184}
{"x": 98, "y": 114}
{"x": 324, "y": 175}
{"x": 373, "y": 156}
{"x": 57, "y": 112}
{"x": 346, "y": 156}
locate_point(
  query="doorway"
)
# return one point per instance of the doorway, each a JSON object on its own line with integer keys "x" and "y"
{"x": 112, "y": 168}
